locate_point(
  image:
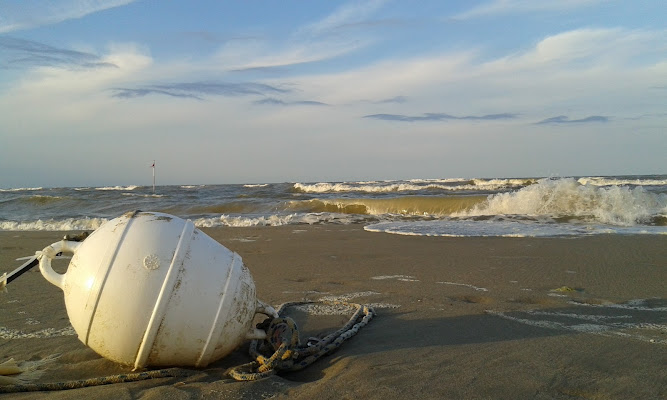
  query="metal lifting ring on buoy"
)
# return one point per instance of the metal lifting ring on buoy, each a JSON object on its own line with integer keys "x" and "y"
{"x": 49, "y": 253}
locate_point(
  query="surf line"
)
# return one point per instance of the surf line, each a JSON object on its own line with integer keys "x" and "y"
{"x": 480, "y": 289}
{"x": 404, "y": 278}
{"x": 601, "y": 329}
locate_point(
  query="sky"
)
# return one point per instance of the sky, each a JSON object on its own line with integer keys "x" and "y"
{"x": 92, "y": 91}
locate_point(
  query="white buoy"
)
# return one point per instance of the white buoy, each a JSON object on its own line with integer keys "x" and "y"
{"x": 149, "y": 289}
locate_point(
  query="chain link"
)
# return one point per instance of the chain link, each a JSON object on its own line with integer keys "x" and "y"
{"x": 282, "y": 337}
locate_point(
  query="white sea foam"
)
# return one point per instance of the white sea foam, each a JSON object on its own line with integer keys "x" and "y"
{"x": 243, "y": 240}
{"x": 437, "y": 180}
{"x": 69, "y": 224}
{"x": 348, "y": 296}
{"x": 606, "y": 181}
{"x": 405, "y": 278}
{"x": 615, "y": 205}
{"x": 492, "y": 184}
{"x": 493, "y": 228}
{"x": 226, "y": 220}
{"x": 599, "y": 324}
{"x": 371, "y": 188}
{"x": 20, "y": 189}
{"x": 339, "y": 309}
{"x": 334, "y": 309}
{"x": 481, "y": 289}
{"x": 414, "y": 185}
{"x": 256, "y": 185}
{"x": 73, "y": 224}
{"x": 143, "y": 195}
{"x": 274, "y": 220}
{"x": 637, "y": 305}
{"x": 45, "y": 197}
{"x": 586, "y": 317}
{"x": 131, "y": 187}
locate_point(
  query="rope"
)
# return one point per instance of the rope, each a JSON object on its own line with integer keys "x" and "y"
{"x": 103, "y": 380}
{"x": 282, "y": 337}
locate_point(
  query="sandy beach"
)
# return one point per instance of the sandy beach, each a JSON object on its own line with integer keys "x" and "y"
{"x": 457, "y": 318}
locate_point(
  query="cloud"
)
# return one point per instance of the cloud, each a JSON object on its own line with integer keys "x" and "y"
{"x": 290, "y": 54}
{"x": 132, "y": 93}
{"x": 346, "y": 15}
{"x": 278, "y": 102}
{"x": 27, "y": 14}
{"x": 272, "y": 55}
{"x": 495, "y": 7}
{"x": 578, "y": 49}
{"x": 439, "y": 117}
{"x": 576, "y": 67}
{"x": 326, "y": 39}
{"x": 21, "y": 53}
{"x": 73, "y": 81}
{"x": 196, "y": 90}
{"x": 397, "y": 99}
{"x": 421, "y": 79}
{"x": 563, "y": 119}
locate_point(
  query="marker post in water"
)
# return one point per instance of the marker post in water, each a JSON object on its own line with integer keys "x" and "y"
{"x": 153, "y": 166}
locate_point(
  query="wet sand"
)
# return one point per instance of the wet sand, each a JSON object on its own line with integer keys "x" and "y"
{"x": 457, "y": 318}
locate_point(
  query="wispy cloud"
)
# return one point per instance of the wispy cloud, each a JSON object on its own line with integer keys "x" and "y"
{"x": 562, "y": 119}
{"x": 27, "y": 14}
{"x": 293, "y": 53}
{"x": 522, "y": 6}
{"x": 439, "y": 117}
{"x": 21, "y": 53}
{"x": 278, "y": 102}
{"x": 348, "y": 14}
{"x": 599, "y": 45}
{"x": 197, "y": 90}
{"x": 566, "y": 67}
{"x": 397, "y": 99}
{"x": 319, "y": 41}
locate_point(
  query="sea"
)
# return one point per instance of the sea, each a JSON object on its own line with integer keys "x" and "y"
{"x": 457, "y": 207}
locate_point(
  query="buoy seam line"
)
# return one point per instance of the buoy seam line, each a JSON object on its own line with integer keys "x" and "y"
{"x": 160, "y": 309}
{"x": 100, "y": 283}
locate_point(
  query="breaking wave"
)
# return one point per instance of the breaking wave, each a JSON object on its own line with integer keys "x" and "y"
{"x": 502, "y": 206}
{"x": 406, "y": 206}
{"x": 20, "y": 189}
{"x": 276, "y": 220}
{"x": 415, "y": 185}
{"x": 69, "y": 224}
{"x": 131, "y": 187}
{"x": 608, "y": 181}
{"x": 568, "y": 198}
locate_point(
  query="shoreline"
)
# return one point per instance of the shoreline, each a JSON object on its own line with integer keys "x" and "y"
{"x": 461, "y": 318}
